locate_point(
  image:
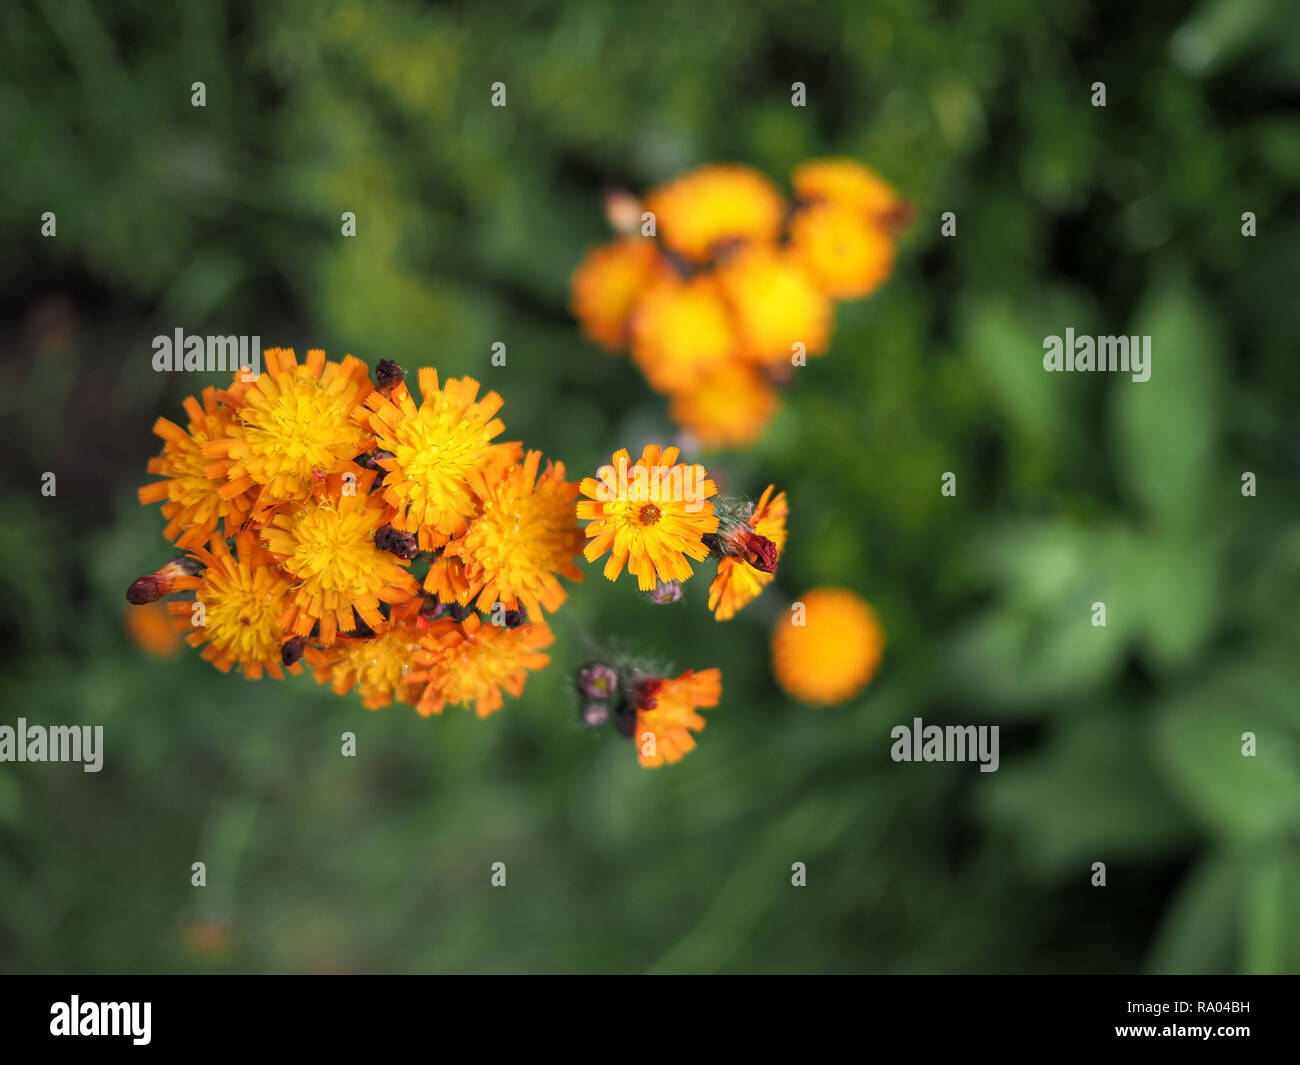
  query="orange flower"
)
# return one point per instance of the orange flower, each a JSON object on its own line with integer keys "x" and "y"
{"x": 328, "y": 547}
{"x": 776, "y": 305}
{"x": 525, "y": 535}
{"x": 716, "y": 205}
{"x": 680, "y": 331}
{"x": 378, "y": 666}
{"x": 607, "y": 285}
{"x": 666, "y": 714}
{"x": 436, "y": 447}
{"x": 827, "y": 652}
{"x": 191, "y": 499}
{"x": 845, "y": 253}
{"x": 848, "y": 183}
{"x": 292, "y": 427}
{"x": 737, "y": 582}
{"x": 238, "y": 601}
{"x": 464, "y": 663}
{"x": 652, "y": 516}
{"x": 729, "y": 407}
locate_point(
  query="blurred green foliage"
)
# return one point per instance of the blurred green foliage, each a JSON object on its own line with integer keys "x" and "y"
{"x": 1120, "y": 744}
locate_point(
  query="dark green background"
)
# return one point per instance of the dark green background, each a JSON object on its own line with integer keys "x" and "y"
{"x": 1119, "y": 744}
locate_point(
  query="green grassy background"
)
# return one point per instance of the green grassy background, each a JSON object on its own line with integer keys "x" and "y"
{"x": 1119, "y": 745}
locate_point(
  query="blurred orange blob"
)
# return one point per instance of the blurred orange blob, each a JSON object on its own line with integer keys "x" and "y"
{"x": 607, "y": 285}
{"x": 844, "y": 252}
{"x": 729, "y": 407}
{"x": 150, "y": 627}
{"x": 700, "y": 212}
{"x": 826, "y": 648}
{"x": 848, "y": 183}
{"x": 777, "y": 306}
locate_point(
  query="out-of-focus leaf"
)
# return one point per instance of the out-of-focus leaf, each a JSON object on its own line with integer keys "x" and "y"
{"x": 1271, "y": 940}
{"x": 1166, "y": 428}
{"x": 1197, "y": 743}
{"x": 1089, "y": 797}
{"x": 1199, "y": 931}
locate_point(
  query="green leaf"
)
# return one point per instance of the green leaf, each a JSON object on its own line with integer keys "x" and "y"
{"x": 1197, "y": 743}
{"x": 1271, "y": 916}
{"x": 1166, "y": 428}
{"x": 1199, "y": 931}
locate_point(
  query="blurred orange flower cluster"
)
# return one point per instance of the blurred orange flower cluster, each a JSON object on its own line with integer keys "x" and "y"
{"x": 717, "y": 286}
{"x": 306, "y": 498}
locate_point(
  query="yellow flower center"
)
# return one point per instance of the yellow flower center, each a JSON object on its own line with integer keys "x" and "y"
{"x": 301, "y": 429}
{"x": 336, "y": 549}
{"x": 240, "y": 615}
{"x": 435, "y": 455}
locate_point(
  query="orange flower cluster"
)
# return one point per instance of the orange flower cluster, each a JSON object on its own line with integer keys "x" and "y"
{"x": 718, "y": 285}
{"x": 360, "y": 529}
{"x": 657, "y": 515}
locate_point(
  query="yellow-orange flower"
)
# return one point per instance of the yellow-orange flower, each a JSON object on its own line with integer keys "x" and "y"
{"x": 834, "y": 653}
{"x": 377, "y": 666}
{"x": 777, "y": 306}
{"x": 607, "y": 285}
{"x": 468, "y": 663}
{"x": 714, "y": 205}
{"x": 292, "y": 427}
{"x": 447, "y": 580}
{"x": 845, "y": 253}
{"x": 666, "y": 714}
{"x": 651, "y": 516}
{"x": 328, "y": 546}
{"x": 239, "y": 599}
{"x": 191, "y": 499}
{"x": 737, "y": 582}
{"x": 436, "y": 447}
{"x": 525, "y": 535}
{"x": 680, "y": 331}
{"x": 729, "y": 407}
{"x": 848, "y": 183}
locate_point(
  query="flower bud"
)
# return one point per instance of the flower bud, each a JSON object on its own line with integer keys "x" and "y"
{"x": 665, "y": 592}
{"x": 596, "y": 680}
{"x": 594, "y": 713}
{"x": 388, "y": 375}
{"x": 292, "y": 650}
{"x": 745, "y": 544}
{"x": 396, "y": 542}
{"x": 153, "y": 586}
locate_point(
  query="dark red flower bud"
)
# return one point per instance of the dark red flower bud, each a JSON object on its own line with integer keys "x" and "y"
{"x": 292, "y": 650}
{"x": 148, "y": 589}
{"x": 745, "y": 544}
{"x": 388, "y": 375}
{"x": 646, "y": 694}
{"x": 396, "y": 542}
{"x": 153, "y": 586}
{"x": 625, "y": 719}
